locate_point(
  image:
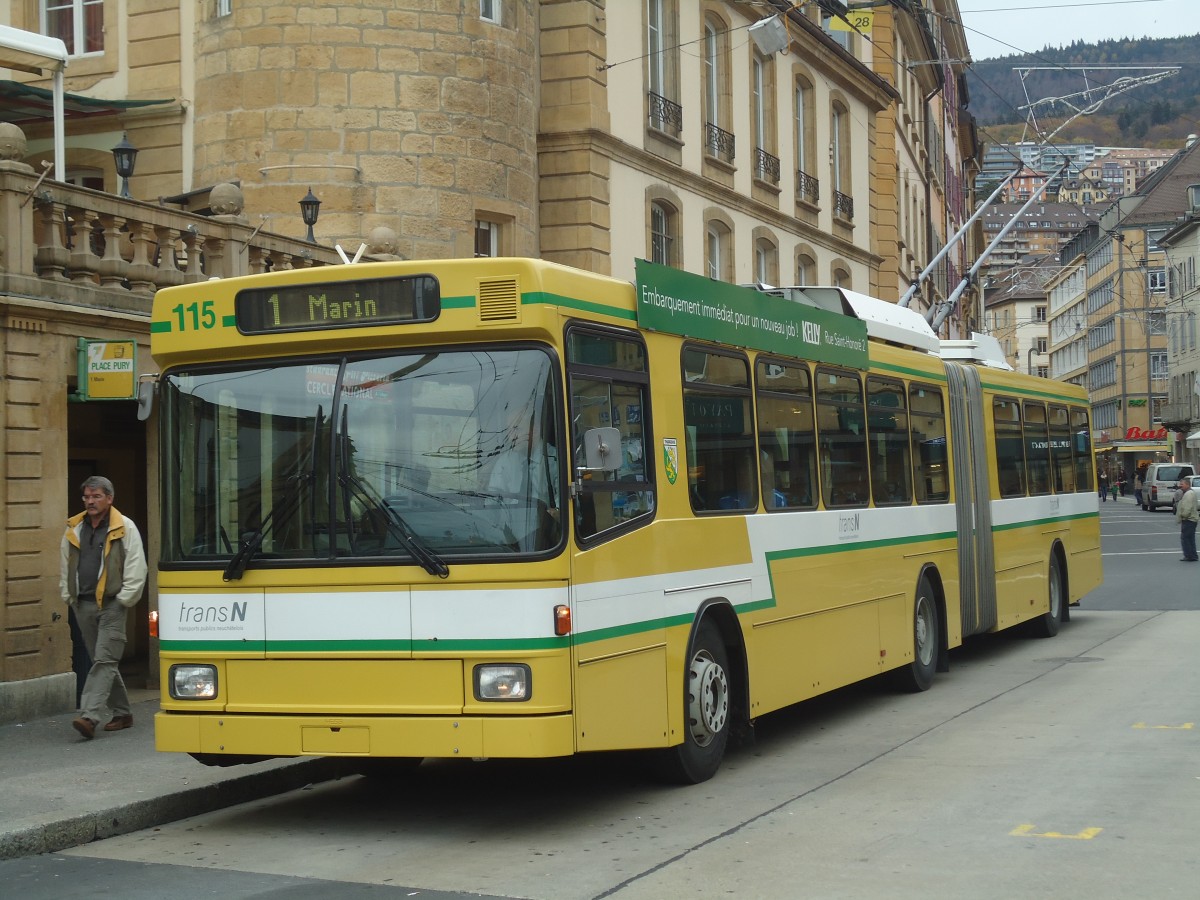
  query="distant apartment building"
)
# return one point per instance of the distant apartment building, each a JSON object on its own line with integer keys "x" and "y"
{"x": 1041, "y": 229}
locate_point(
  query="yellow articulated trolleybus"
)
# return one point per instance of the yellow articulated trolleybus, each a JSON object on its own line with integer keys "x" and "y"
{"x": 504, "y": 508}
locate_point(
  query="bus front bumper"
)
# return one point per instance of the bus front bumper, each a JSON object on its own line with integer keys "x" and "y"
{"x": 366, "y": 736}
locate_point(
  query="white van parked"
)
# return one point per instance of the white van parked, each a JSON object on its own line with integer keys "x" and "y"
{"x": 1162, "y": 480}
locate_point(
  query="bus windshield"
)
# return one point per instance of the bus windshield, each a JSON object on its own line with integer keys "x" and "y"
{"x": 414, "y": 458}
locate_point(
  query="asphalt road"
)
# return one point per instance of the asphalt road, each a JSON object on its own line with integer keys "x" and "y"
{"x": 1036, "y": 768}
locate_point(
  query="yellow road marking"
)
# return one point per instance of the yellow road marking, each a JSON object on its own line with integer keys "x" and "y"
{"x": 1027, "y": 831}
{"x": 1186, "y": 726}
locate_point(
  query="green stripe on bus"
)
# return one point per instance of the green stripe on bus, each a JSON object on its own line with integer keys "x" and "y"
{"x": 849, "y": 546}
{"x": 160, "y": 327}
{"x": 906, "y": 370}
{"x": 534, "y": 298}
{"x": 1049, "y": 520}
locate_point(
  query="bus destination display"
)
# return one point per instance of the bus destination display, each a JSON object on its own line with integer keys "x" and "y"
{"x": 338, "y": 304}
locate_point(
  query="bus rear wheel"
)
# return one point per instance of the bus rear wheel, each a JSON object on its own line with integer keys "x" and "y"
{"x": 1047, "y": 624}
{"x": 707, "y": 710}
{"x": 918, "y": 675}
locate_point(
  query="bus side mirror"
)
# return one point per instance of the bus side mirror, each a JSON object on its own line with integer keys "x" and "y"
{"x": 146, "y": 389}
{"x": 601, "y": 450}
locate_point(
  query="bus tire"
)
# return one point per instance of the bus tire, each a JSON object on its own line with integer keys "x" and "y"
{"x": 918, "y": 675}
{"x": 1047, "y": 624}
{"x": 707, "y": 700}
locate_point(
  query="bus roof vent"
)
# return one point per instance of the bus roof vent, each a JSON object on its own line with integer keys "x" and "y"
{"x": 499, "y": 300}
{"x": 981, "y": 348}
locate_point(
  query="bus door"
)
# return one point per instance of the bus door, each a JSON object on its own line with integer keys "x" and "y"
{"x": 976, "y": 554}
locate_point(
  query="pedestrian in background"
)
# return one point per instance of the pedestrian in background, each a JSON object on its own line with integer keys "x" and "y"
{"x": 1137, "y": 488}
{"x": 101, "y": 576}
{"x": 1187, "y": 512}
{"x": 1104, "y": 486}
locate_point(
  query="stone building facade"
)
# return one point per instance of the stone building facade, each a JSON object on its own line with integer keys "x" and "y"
{"x": 589, "y": 132}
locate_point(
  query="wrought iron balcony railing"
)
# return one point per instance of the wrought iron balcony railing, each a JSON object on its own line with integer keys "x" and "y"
{"x": 766, "y": 166}
{"x": 718, "y": 143}
{"x": 843, "y": 206}
{"x": 807, "y": 188}
{"x": 665, "y": 115}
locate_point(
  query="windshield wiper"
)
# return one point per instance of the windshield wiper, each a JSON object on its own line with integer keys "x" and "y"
{"x": 413, "y": 543}
{"x": 280, "y": 511}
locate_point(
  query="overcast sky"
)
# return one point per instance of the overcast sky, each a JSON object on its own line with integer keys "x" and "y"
{"x": 1003, "y": 27}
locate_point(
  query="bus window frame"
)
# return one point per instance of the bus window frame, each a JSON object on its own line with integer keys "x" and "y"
{"x": 826, "y": 462}
{"x": 1019, "y": 437}
{"x": 589, "y": 486}
{"x": 760, "y": 393}
{"x": 750, "y": 431}
{"x": 914, "y": 451}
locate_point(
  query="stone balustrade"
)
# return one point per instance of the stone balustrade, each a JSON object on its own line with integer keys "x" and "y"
{"x": 73, "y": 245}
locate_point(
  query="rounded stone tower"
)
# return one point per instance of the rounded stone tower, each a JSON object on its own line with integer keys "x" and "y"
{"x": 413, "y": 115}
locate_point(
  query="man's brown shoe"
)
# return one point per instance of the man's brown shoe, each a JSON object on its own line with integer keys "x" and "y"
{"x": 85, "y": 726}
{"x": 119, "y": 722}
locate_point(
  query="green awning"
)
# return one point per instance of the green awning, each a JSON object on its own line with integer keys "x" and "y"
{"x": 22, "y": 103}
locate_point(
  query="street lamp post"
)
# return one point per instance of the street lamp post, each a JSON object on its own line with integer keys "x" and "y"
{"x": 310, "y": 207}
{"x": 124, "y": 156}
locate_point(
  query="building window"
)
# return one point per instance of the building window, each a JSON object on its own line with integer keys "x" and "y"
{"x": 487, "y": 238}
{"x": 1041, "y": 345}
{"x": 662, "y": 233}
{"x": 1158, "y": 367}
{"x": 718, "y": 139}
{"x": 662, "y": 66}
{"x": 807, "y": 185}
{"x": 805, "y": 267}
{"x": 762, "y": 101}
{"x": 1039, "y": 314}
{"x": 718, "y": 262}
{"x": 78, "y": 23}
{"x": 1156, "y": 281}
{"x": 766, "y": 262}
{"x": 224, "y": 8}
{"x": 489, "y": 11}
{"x": 839, "y": 161}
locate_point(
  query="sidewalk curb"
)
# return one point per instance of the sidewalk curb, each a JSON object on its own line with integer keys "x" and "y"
{"x": 84, "y": 828}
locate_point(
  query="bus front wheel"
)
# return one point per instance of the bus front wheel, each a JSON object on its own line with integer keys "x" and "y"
{"x": 918, "y": 675}
{"x": 706, "y": 713}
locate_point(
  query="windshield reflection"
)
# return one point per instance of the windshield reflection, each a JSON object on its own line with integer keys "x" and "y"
{"x": 421, "y": 458}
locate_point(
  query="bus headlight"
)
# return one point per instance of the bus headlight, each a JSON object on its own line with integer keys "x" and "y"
{"x": 193, "y": 682}
{"x": 507, "y": 681}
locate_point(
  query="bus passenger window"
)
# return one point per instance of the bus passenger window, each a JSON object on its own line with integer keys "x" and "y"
{"x": 1081, "y": 449}
{"x": 1061, "y": 465}
{"x": 609, "y": 385}
{"x": 842, "y": 439}
{"x": 1010, "y": 454}
{"x": 786, "y": 435}
{"x": 1037, "y": 448}
{"x": 928, "y": 419}
{"x": 887, "y": 429}
{"x": 717, "y": 416}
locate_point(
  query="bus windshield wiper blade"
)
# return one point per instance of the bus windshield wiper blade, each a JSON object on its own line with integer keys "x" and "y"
{"x": 280, "y": 511}
{"x": 414, "y": 544}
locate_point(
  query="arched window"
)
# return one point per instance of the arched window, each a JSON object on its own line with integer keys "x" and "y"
{"x": 807, "y": 184}
{"x": 805, "y": 269}
{"x": 718, "y": 252}
{"x": 662, "y": 233}
{"x": 766, "y": 261}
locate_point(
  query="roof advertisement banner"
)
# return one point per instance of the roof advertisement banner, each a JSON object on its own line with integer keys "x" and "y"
{"x": 693, "y": 306}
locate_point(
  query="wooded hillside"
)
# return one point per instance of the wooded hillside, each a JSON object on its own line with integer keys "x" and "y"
{"x": 1156, "y": 115}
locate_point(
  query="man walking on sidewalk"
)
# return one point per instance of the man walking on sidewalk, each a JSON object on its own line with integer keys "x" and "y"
{"x": 1187, "y": 512}
{"x": 102, "y": 573}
